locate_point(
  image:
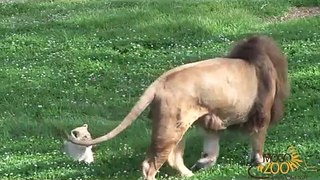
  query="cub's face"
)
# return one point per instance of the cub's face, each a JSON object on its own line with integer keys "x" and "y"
{"x": 81, "y": 133}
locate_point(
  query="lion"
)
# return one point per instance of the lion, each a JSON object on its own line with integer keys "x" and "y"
{"x": 246, "y": 89}
{"x": 78, "y": 152}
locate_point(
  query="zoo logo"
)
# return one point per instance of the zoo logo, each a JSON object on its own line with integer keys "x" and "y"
{"x": 277, "y": 163}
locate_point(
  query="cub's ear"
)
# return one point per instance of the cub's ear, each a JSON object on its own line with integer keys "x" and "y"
{"x": 75, "y": 133}
{"x": 85, "y": 125}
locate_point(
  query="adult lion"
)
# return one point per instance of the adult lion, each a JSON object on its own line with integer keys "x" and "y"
{"x": 246, "y": 88}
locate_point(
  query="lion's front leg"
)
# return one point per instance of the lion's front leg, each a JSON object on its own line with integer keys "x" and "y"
{"x": 260, "y": 116}
{"x": 257, "y": 140}
{"x": 210, "y": 151}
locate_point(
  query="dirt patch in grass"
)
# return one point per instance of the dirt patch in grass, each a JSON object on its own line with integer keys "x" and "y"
{"x": 295, "y": 13}
{"x": 299, "y": 12}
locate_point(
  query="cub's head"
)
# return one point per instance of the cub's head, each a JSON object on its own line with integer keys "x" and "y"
{"x": 78, "y": 152}
{"x": 81, "y": 133}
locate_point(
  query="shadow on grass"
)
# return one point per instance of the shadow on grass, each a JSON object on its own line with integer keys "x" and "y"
{"x": 62, "y": 167}
{"x": 30, "y": 157}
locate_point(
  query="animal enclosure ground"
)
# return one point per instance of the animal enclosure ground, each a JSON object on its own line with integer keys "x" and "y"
{"x": 68, "y": 62}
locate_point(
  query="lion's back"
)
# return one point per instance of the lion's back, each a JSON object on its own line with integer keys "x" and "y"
{"x": 220, "y": 82}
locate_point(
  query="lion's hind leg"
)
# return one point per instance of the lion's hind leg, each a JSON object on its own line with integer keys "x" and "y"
{"x": 175, "y": 159}
{"x": 165, "y": 137}
{"x": 167, "y": 143}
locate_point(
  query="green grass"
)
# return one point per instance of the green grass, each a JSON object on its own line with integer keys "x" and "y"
{"x": 65, "y": 63}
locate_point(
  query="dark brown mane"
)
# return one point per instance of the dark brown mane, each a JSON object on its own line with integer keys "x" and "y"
{"x": 258, "y": 50}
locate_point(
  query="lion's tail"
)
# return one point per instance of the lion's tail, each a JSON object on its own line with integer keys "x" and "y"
{"x": 138, "y": 108}
{"x": 253, "y": 50}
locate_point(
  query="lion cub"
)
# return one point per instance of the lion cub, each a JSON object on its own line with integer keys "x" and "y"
{"x": 78, "y": 152}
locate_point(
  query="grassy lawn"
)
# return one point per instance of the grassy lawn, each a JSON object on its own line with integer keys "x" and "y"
{"x": 68, "y": 62}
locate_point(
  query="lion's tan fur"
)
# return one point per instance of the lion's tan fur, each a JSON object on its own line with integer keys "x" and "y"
{"x": 247, "y": 87}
